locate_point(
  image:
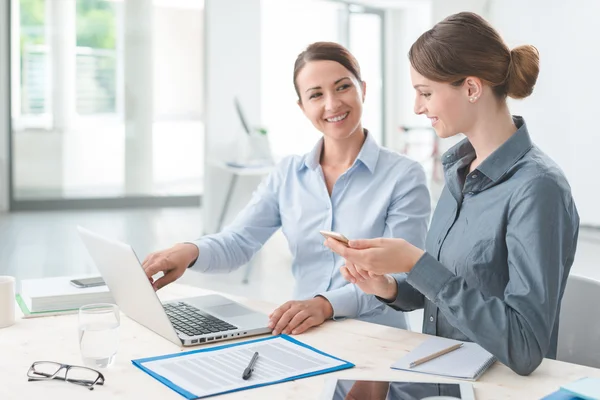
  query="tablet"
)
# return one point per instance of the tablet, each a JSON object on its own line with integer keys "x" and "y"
{"x": 343, "y": 389}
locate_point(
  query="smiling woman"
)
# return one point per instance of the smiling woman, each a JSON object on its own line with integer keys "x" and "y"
{"x": 347, "y": 183}
{"x": 502, "y": 239}
{"x": 331, "y": 95}
{"x": 335, "y": 89}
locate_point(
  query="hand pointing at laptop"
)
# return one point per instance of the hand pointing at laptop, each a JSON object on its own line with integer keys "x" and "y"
{"x": 293, "y": 317}
{"x": 171, "y": 262}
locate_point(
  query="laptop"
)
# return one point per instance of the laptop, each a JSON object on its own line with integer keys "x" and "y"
{"x": 187, "y": 322}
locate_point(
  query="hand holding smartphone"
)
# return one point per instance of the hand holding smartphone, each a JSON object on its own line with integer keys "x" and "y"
{"x": 336, "y": 236}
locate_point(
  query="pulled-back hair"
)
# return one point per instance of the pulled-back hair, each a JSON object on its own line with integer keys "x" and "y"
{"x": 465, "y": 44}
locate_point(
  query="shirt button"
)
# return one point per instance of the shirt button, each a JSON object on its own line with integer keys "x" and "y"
{"x": 473, "y": 176}
{"x": 328, "y": 206}
{"x": 431, "y": 318}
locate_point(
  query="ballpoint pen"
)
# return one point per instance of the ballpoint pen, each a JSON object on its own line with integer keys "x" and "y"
{"x": 435, "y": 355}
{"x": 250, "y": 368}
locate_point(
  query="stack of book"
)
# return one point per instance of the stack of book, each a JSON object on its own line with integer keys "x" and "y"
{"x": 55, "y": 296}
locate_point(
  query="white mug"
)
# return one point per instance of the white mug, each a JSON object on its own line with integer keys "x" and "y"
{"x": 7, "y": 301}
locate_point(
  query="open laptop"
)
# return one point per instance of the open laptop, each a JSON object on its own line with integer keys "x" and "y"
{"x": 186, "y": 322}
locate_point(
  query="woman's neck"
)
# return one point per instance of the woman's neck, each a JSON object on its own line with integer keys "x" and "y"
{"x": 489, "y": 133}
{"x": 342, "y": 153}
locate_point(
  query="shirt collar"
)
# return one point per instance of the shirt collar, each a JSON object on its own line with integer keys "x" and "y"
{"x": 500, "y": 161}
{"x": 368, "y": 155}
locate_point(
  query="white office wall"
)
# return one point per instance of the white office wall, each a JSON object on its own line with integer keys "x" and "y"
{"x": 232, "y": 48}
{"x": 561, "y": 113}
{"x": 403, "y": 27}
{"x": 288, "y": 27}
{"x": 4, "y": 106}
{"x": 178, "y": 64}
{"x": 442, "y": 8}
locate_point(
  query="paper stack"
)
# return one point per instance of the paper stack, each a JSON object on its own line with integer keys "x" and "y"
{"x": 50, "y": 296}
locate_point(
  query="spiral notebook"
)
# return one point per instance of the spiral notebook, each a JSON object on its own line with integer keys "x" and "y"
{"x": 468, "y": 362}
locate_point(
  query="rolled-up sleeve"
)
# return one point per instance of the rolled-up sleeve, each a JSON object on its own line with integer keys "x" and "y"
{"x": 407, "y": 218}
{"x": 517, "y": 329}
{"x": 349, "y": 301}
{"x": 407, "y": 299}
{"x": 408, "y": 213}
{"x": 253, "y": 226}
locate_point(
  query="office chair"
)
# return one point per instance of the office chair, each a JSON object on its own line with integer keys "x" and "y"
{"x": 579, "y": 326}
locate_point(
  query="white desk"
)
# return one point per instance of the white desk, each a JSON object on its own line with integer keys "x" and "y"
{"x": 373, "y": 348}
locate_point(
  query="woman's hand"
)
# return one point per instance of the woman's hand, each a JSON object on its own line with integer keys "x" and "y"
{"x": 384, "y": 286}
{"x": 171, "y": 262}
{"x": 378, "y": 256}
{"x": 296, "y": 317}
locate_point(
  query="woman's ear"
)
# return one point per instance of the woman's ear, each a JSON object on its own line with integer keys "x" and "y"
{"x": 300, "y": 105}
{"x": 474, "y": 88}
{"x": 363, "y": 85}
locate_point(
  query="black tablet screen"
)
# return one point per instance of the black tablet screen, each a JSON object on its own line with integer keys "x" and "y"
{"x": 381, "y": 390}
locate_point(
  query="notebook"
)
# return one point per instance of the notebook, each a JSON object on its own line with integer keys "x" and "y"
{"x": 58, "y": 294}
{"x": 468, "y": 362}
{"x": 561, "y": 395}
{"x": 586, "y": 388}
{"x": 29, "y": 314}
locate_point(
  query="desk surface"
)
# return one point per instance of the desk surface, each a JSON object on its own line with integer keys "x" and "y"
{"x": 373, "y": 348}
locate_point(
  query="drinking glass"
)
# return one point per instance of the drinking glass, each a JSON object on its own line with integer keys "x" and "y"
{"x": 99, "y": 334}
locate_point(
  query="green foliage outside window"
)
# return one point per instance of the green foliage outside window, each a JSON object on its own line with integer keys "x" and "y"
{"x": 95, "y": 23}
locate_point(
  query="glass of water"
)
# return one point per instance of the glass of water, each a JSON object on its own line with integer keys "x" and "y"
{"x": 99, "y": 334}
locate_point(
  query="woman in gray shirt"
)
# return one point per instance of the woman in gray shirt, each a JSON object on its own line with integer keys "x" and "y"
{"x": 504, "y": 233}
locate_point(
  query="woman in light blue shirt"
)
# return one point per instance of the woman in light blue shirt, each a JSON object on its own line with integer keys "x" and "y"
{"x": 347, "y": 183}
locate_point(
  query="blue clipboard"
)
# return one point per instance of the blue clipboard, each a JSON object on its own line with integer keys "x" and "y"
{"x": 190, "y": 396}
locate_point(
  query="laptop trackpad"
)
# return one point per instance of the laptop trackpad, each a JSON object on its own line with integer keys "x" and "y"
{"x": 230, "y": 310}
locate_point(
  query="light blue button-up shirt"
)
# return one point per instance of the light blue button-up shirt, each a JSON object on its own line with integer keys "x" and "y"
{"x": 383, "y": 194}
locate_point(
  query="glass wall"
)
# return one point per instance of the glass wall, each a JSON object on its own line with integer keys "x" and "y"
{"x": 365, "y": 41}
{"x": 287, "y": 28}
{"x": 106, "y": 99}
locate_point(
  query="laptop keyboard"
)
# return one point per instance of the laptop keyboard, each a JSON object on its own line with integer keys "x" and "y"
{"x": 191, "y": 321}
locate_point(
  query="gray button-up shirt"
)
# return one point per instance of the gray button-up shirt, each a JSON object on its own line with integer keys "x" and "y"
{"x": 499, "y": 250}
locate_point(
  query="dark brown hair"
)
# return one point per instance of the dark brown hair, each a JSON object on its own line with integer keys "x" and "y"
{"x": 326, "y": 51}
{"x": 465, "y": 44}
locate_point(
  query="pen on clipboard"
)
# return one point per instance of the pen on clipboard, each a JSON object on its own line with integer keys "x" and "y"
{"x": 250, "y": 368}
{"x": 435, "y": 355}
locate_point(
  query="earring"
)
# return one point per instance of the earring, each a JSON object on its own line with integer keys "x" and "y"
{"x": 472, "y": 99}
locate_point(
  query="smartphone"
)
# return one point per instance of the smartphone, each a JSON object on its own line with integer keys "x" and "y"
{"x": 334, "y": 235}
{"x": 88, "y": 282}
